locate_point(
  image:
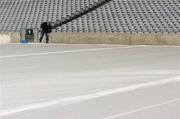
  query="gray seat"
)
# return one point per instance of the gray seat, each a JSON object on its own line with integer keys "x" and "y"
{"x": 129, "y": 16}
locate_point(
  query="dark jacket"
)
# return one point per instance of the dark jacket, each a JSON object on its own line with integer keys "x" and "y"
{"x": 46, "y": 27}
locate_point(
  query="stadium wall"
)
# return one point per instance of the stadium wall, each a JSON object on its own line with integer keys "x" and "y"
{"x": 102, "y": 38}
{"x": 13, "y": 37}
{"x": 5, "y": 38}
{"x": 116, "y": 38}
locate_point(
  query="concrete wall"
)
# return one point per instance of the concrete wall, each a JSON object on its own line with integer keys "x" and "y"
{"x": 15, "y": 37}
{"x": 5, "y": 38}
{"x": 116, "y": 38}
{"x": 89, "y": 38}
{"x": 155, "y": 39}
{"x": 103, "y": 38}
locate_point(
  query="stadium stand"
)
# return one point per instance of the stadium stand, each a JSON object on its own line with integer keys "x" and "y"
{"x": 119, "y": 16}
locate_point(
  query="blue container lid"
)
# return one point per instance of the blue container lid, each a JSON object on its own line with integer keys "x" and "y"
{"x": 23, "y": 41}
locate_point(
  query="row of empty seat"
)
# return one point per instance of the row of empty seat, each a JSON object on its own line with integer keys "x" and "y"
{"x": 124, "y": 16}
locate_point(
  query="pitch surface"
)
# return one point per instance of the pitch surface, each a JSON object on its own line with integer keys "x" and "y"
{"x": 40, "y": 81}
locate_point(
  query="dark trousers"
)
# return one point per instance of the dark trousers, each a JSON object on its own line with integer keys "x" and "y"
{"x": 42, "y": 35}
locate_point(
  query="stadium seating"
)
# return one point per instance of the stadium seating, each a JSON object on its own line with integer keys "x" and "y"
{"x": 122, "y": 16}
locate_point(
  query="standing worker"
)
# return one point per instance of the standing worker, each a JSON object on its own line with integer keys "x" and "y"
{"x": 45, "y": 29}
